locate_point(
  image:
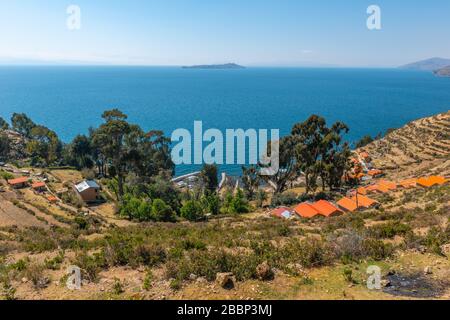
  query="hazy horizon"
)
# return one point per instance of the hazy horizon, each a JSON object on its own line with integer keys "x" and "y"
{"x": 251, "y": 33}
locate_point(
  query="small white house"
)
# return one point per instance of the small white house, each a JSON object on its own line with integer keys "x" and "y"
{"x": 88, "y": 190}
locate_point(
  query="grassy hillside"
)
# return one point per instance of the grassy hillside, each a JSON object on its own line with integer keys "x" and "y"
{"x": 407, "y": 237}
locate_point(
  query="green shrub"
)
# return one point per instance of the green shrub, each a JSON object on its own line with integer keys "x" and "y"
{"x": 192, "y": 210}
{"x": 284, "y": 199}
{"x": 161, "y": 211}
{"x": 388, "y": 230}
{"x": 377, "y": 249}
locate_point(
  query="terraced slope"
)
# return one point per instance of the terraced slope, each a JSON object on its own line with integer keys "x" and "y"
{"x": 421, "y": 147}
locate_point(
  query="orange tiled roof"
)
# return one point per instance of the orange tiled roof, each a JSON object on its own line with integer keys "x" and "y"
{"x": 425, "y": 182}
{"x": 364, "y": 155}
{"x": 387, "y": 184}
{"x": 305, "y": 210}
{"x": 408, "y": 183}
{"x": 361, "y": 190}
{"x": 364, "y": 201}
{"x": 52, "y": 199}
{"x": 325, "y": 208}
{"x": 431, "y": 181}
{"x": 347, "y": 204}
{"x": 18, "y": 181}
{"x": 37, "y": 185}
{"x": 377, "y": 188}
{"x": 438, "y": 180}
{"x": 375, "y": 172}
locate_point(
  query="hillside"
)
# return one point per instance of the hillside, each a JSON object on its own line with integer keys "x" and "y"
{"x": 248, "y": 256}
{"x": 422, "y": 147}
{"x": 444, "y": 72}
{"x": 428, "y": 64}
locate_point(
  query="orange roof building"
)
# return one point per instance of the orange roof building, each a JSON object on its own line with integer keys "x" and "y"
{"x": 306, "y": 210}
{"x": 361, "y": 190}
{"x": 377, "y": 188}
{"x": 347, "y": 204}
{"x": 375, "y": 173}
{"x": 326, "y": 209}
{"x": 364, "y": 202}
{"x": 364, "y": 155}
{"x": 282, "y": 212}
{"x": 38, "y": 185}
{"x": 408, "y": 183}
{"x": 52, "y": 199}
{"x": 428, "y": 182}
{"x": 438, "y": 180}
{"x": 19, "y": 182}
{"x": 388, "y": 185}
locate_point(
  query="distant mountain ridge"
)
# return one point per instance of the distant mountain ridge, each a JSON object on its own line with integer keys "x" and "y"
{"x": 216, "y": 66}
{"x": 432, "y": 64}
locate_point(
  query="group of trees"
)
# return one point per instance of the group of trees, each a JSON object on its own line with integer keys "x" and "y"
{"x": 206, "y": 199}
{"x": 43, "y": 145}
{"x": 313, "y": 151}
{"x": 139, "y": 167}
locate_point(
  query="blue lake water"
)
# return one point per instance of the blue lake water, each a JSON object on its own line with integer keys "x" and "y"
{"x": 71, "y": 99}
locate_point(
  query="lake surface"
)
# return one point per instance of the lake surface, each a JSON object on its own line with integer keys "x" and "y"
{"x": 69, "y": 100}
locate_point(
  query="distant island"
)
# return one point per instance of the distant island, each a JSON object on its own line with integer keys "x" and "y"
{"x": 216, "y": 66}
{"x": 443, "y": 72}
{"x": 432, "y": 64}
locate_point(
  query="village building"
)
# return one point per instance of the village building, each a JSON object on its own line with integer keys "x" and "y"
{"x": 305, "y": 210}
{"x": 282, "y": 212}
{"x": 347, "y": 204}
{"x": 364, "y": 202}
{"x": 326, "y": 209}
{"x": 88, "y": 191}
{"x": 38, "y": 186}
{"x": 18, "y": 183}
{"x": 408, "y": 183}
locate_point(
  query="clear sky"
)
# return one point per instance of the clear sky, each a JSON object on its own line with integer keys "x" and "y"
{"x": 250, "y": 32}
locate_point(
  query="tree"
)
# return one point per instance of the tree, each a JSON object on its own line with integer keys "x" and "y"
{"x": 22, "y": 124}
{"x": 3, "y": 124}
{"x": 109, "y": 139}
{"x": 261, "y": 196}
{"x": 318, "y": 151}
{"x": 161, "y": 211}
{"x": 211, "y": 202}
{"x": 333, "y": 156}
{"x": 250, "y": 180}
{"x": 239, "y": 204}
{"x": 4, "y": 146}
{"x": 208, "y": 177}
{"x": 192, "y": 210}
{"x": 288, "y": 167}
{"x": 80, "y": 152}
{"x": 236, "y": 204}
{"x": 44, "y": 145}
{"x": 308, "y": 139}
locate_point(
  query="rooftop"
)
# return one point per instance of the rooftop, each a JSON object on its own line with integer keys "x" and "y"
{"x": 86, "y": 184}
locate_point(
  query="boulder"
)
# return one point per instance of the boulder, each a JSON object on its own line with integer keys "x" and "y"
{"x": 428, "y": 270}
{"x": 225, "y": 280}
{"x": 264, "y": 272}
{"x": 386, "y": 283}
{"x": 446, "y": 249}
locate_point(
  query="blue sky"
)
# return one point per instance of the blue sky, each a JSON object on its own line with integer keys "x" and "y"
{"x": 250, "y": 32}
